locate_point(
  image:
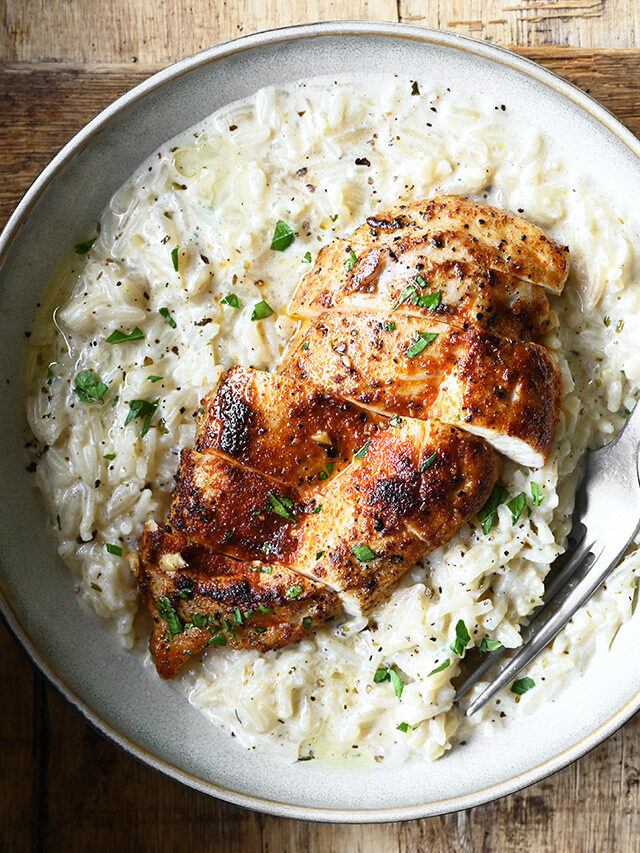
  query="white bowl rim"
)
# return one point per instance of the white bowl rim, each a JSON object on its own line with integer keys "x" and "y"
{"x": 430, "y": 35}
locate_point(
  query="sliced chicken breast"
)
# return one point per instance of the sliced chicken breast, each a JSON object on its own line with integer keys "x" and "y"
{"x": 198, "y": 598}
{"x": 296, "y": 433}
{"x": 507, "y": 391}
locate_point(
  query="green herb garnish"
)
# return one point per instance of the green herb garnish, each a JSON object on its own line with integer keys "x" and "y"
{"x": 402, "y": 727}
{"x": 536, "y": 497}
{"x": 350, "y": 261}
{"x": 420, "y": 342}
{"x": 174, "y": 257}
{"x": 489, "y": 645}
{"x": 200, "y": 620}
{"x": 155, "y": 378}
{"x": 164, "y": 312}
{"x": 283, "y": 236}
{"x": 217, "y": 640}
{"x": 114, "y": 549}
{"x": 263, "y": 609}
{"x": 333, "y": 217}
{"x": 522, "y": 685}
{"x": 83, "y": 248}
{"x": 118, "y": 337}
{"x": 293, "y": 591}
{"x": 169, "y": 615}
{"x": 487, "y": 514}
{"x": 385, "y": 673}
{"x": 394, "y": 420}
{"x": 306, "y": 258}
{"x": 89, "y": 387}
{"x": 445, "y": 663}
{"x": 282, "y": 505}
{"x": 363, "y": 553}
{"x": 142, "y": 409}
{"x": 389, "y": 326}
{"x": 462, "y": 638}
{"x": 109, "y": 456}
{"x": 517, "y": 505}
{"x": 306, "y": 622}
{"x": 261, "y": 310}
{"x": 231, "y": 299}
{"x": 360, "y": 454}
{"x": 427, "y": 463}
{"x": 430, "y": 300}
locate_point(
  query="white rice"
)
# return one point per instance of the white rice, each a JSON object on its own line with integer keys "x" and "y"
{"x": 217, "y": 191}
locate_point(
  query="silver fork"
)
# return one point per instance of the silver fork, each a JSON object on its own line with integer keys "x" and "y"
{"x": 606, "y": 518}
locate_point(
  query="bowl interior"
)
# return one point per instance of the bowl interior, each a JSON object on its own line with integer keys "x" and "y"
{"x": 76, "y": 648}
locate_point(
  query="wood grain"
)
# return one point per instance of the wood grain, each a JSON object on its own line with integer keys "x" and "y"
{"x": 62, "y": 787}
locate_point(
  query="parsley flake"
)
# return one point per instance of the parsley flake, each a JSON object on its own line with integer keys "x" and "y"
{"x": 350, "y": 261}
{"x": 517, "y": 505}
{"x": 445, "y": 663}
{"x": 360, "y": 454}
{"x": 489, "y": 645}
{"x": 389, "y": 326}
{"x": 283, "y": 236}
{"x": 113, "y": 549}
{"x": 363, "y": 553}
{"x": 119, "y": 337}
{"x": 428, "y": 462}
{"x": 169, "y": 615}
{"x": 282, "y": 505}
{"x": 89, "y": 387}
{"x": 155, "y": 378}
{"x": 306, "y": 622}
{"x": 462, "y": 638}
{"x": 420, "y": 342}
{"x": 83, "y": 248}
{"x": 522, "y": 685}
{"x": 487, "y": 514}
{"x": 402, "y": 727}
{"x": 142, "y": 409}
{"x": 164, "y": 312}
{"x": 217, "y": 640}
{"x": 385, "y": 673}
{"x": 261, "y": 310}
{"x": 231, "y": 299}
{"x": 174, "y": 257}
{"x": 306, "y": 258}
{"x": 293, "y": 591}
{"x": 536, "y": 497}
{"x": 263, "y": 609}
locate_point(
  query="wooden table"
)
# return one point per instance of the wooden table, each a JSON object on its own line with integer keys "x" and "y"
{"x": 64, "y": 787}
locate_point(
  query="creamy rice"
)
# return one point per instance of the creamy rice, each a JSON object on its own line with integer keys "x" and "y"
{"x": 216, "y": 192}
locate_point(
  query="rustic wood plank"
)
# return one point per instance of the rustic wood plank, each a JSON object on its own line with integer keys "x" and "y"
{"x": 57, "y": 30}
{"x": 579, "y": 23}
{"x": 95, "y": 794}
{"x": 18, "y": 752}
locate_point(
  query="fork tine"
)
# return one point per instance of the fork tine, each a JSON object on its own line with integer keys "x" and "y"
{"x": 576, "y": 596}
{"x": 569, "y": 563}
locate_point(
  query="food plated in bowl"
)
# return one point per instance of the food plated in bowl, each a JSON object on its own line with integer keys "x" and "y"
{"x": 277, "y": 698}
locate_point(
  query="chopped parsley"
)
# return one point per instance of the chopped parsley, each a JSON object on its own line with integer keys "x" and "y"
{"x": 305, "y": 346}
{"x": 487, "y": 514}
{"x": 83, "y": 248}
{"x": 200, "y": 620}
{"x": 445, "y": 663}
{"x": 114, "y": 549}
{"x": 261, "y": 310}
{"x": 428, "y": 462}
{"x": 402, "y": 727}
{"x": 282, "y": 505}
{"x": 333, "y": 217}
{"x": 522, "y": 685}
{"x": 517, "y": 505}
{"x": 169, "y": 615}
{"x": 536, "y": 497}
{"x": 389, "y": 326}
{"x": 164, "y": 312}
{"x": 306, "y": 622}
{"x": 217, "y": 640}
{"x": 59, "y": 522}
{"x": 283, "y": 236}
{"x": 430, "y": 300}
{"x": 260, "y": 630}
{"x": 263, "y": 609}
{"x": 363, "y": 553}
{"x": 231, "y": 299}
{"x": 142, "y": 409}
{"x": 89, "y": 387}
{"x": 394, "y": 420}
{"x": 489, "y": 645}
{"x": 306, "y": 258}
{"x": 237, "y": 616}
{"x": 411, "y": 293}
{"x": 350, "y": 261}
{"x": 420, "y": 342}
{"x": 323, "y": 475}
{"x": 118, "y": 337}
{"x": 385, "y": 673}
{"x": 293, "y": 591}
{"x": 155, "y": 378}
{"x": 360, "y": 454}
{"x": 317, "y": 509}
{"x": 462, "y": 638}
{"x": 174, "y": 257}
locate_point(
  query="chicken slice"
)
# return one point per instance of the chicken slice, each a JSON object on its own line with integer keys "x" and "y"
{"x": 198, "y": 598}
{"x": 406, "y": 278}
{"x": 413, "y": 489}
{"x": 507, "y": 391}
{"x": 292, "y": 432}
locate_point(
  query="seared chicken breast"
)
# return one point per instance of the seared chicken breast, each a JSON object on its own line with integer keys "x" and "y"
{"x": 198, "y": 598}
{"x": 454, "y": 260}
{"x": 507, "y": 391}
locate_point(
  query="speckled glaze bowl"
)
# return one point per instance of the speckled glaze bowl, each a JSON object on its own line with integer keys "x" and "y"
{"x": 75, "y": 650}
